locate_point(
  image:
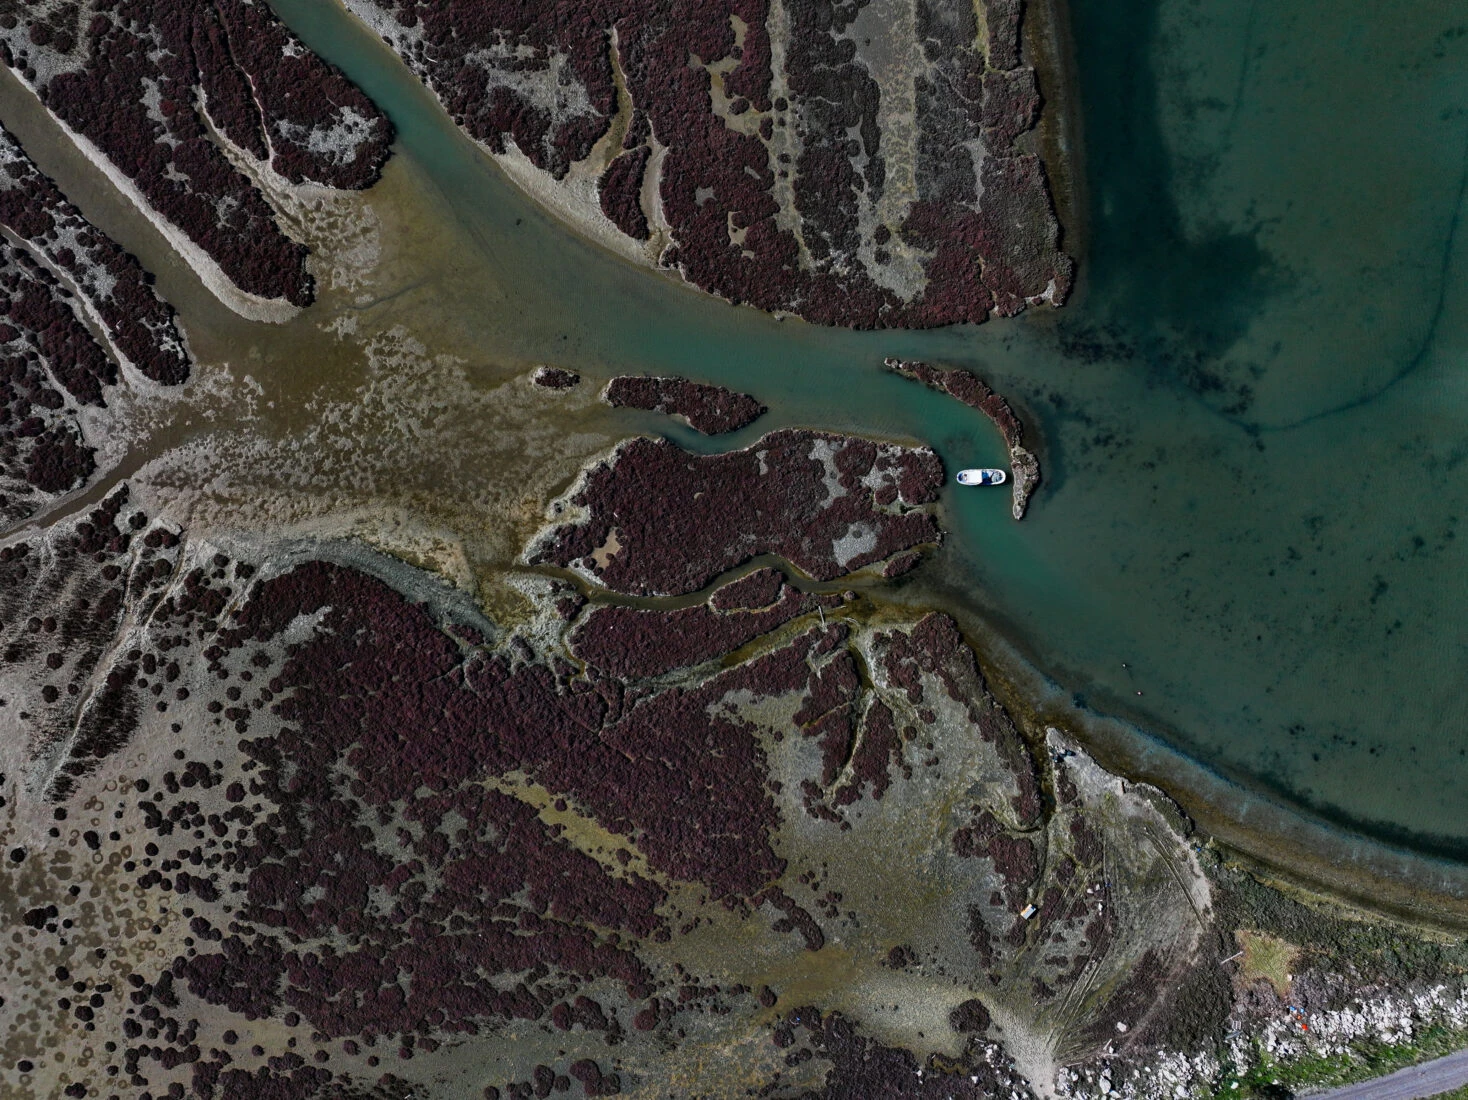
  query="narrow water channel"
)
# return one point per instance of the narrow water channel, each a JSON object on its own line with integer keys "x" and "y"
{"x": 1253, "y": 416}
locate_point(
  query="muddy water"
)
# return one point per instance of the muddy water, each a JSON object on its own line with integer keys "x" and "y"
{"x": 1252, "y": 417}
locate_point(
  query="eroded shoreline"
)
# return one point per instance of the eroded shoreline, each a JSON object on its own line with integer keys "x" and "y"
{"x": 1282, "y": 839}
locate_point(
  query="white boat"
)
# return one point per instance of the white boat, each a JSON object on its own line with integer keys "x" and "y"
{"x": 986, "y": 476}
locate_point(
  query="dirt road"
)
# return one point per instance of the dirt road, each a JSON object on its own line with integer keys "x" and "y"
{"x": 1413, "y": 1083}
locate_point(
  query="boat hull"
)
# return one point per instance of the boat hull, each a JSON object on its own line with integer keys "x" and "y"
{"x": 986, "y": 476}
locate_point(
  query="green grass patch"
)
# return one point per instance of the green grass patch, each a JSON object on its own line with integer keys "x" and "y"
{"x": 1267, "y": 957}
{"x": 1366, "y": 1059}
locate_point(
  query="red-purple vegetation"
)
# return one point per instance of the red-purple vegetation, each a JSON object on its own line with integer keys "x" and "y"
{"x": 43, "y": 327}
{"x": 973, "y": 839}
{"x": 1085, "y": 843}
{"x": 478, "y": 903}
{"x": 593, "y": 1081}
{"x": 796, "y": 919}
{"x": 878, "y": 748}
{"x": 620, "y": 192}
{"x": 755, "y": 590}
{"x": 355, "y": 767}
{"x": 828, "y": 715}
{"x": 555, "y": 378}
{"x": 290, "y": 1079}
{"x": 864, "y": 1069}
{"x": 1137, "y": 997}
{"x": 1002, "y": 22}
{"x": 981, "y": 939}
{"x": 61, "y": 605}
{"x": 935, "y": 646}
{"x": 835, "y": 732}
{"x": 963, "y": 386}
{"x": 1011, "y": 106}
{"x": 970, "y": 1017}
{"x": 43, "y": 344}
{"x": 369, "y": 867}
{"x": 148, "y": 82}
{"x": 318, "y": 126}
{"x": 376, "y": 863}
{"x": 1015, "y": 859}
{"x": 809, "y": 497}
{"x": 631, "y": 643}
{"x": 543, "y": 79}
{"x": 967, "y": 388}
{"x": 712, "y": 410}
{"x": 835, "y": 685}
{"x": 901, "y": 564}
{"x": 138, "y": 322}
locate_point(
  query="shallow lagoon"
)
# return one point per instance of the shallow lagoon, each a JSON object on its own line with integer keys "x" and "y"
{"x": 1252, "y": 415}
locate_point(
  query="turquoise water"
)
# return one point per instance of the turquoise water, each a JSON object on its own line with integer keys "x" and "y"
{"x": 1253, "y": 415}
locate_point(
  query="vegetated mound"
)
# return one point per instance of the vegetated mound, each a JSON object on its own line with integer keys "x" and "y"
{"x": 155, "y": 86}
{"x": 390, "y": 829}
{"x": 964, "y": 386}
{"x": 712, "y": 410}
{"x": 653, "y": 519}
{"x": 50, "y": 367}
{"x": 632, "y": 642}
{"x": 71, "y": 601}
{"x": 112, "y": 283}
{"x": 555, "y": 378}
{"x": 51, "y": 364}
{"x": 856, "y": 164}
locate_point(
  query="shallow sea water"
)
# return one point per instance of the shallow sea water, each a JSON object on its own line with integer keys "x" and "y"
{"x": 1253, "y": 415}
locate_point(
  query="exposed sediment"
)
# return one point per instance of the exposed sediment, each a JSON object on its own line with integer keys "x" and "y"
{"x": 828, "y": 504}
{"x": 865, "y": 164}
{"x": 307, "y": 795}
{"x": 58, "y": 272}
{"x": 968, "y": 388}
{"x": 380, "y": 827}
{"x": 155, "y": 89}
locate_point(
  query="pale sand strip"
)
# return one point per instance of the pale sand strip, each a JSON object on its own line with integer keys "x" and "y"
{"x": 575, "y": 201}
{"x": 249, "y": 306}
